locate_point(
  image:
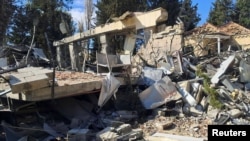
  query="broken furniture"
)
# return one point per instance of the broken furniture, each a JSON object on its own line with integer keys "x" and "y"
{"x": 116, "y": 63}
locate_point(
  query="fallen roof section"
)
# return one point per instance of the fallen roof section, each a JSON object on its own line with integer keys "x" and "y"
{"x": 126, "y": 21}
{"x": 35, "y": 84}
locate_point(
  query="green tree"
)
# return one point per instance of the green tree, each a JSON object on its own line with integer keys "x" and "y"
{"x": 243, "y": 13}
{"x": 38, "y": 17}
{"x": 172, "y": 7}
{"x": 7, "y": 8}
{"x": 20, "y": 27}
{"x": 188, "y": 15}
{"x": 107, "y": 9}
{"x": 222, "y": 12}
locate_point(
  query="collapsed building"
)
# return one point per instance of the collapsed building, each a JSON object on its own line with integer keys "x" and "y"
{"x": 210, "y": 39}
{"x": 154, "y": 90}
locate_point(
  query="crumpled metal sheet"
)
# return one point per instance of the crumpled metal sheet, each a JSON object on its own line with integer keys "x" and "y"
{"x": 156, "y": 95}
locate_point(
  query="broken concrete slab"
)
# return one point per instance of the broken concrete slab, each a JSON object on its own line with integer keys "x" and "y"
{"x": 187, "y": 97}
{"x": 227, "y": 82}
{"x": 30, "y": 78}
{"x": 240, "y": 121}
{"x": 106, "y": 134}
{"x": 235, "y": 113}
{"x": 78, "y": 135}
{"x": 244, "y": 71}
{"x": 28, "y": 83}
{"x": 123, "y": 129}
{"x": 127, "y": 115}
{"x": 177, "y": 137}
{"x": 164, "y": 126}
{"x": 223, "y": 67}
{"x": 135, "y": 134}
{"x": 152, "y": 138}
{"x": 66, "y": 90}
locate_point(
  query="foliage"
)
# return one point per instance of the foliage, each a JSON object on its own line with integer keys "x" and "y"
{"x": 20, "y": 27}
{"x": 222, "y": 12}
{"x": 46, "y": 16}
{"x": 213, "y": 95}
{"x": 172, "y": 7}
{"x": 188, "y": 15}
{"x": 107, "y": 9}
{"x": 243, "y": 12}
{"x": 7, "y": 8}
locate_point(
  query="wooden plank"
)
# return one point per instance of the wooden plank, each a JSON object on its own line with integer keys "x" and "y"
{"x": 63, "y": 91}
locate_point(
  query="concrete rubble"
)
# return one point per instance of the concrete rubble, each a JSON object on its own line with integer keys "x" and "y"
{"x": 174, "y": 96}
{"x": 176, "y": 104}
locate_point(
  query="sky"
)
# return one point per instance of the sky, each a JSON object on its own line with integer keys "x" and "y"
{"x": 77, "y": 11}
{"x": 204, "y": 6}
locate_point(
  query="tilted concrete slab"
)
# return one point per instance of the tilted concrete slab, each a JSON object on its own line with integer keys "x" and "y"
{"x": 30, "y": 78}
{"x": 132, "y": 21}
{"x": 59, "y": 91}
{"x": 33, "y": 84}
{"x": 29, "y": 83}
{"x": 63, "y": 91}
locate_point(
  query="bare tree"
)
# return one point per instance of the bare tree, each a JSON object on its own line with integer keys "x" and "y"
{"x": 89, "y": 9}
{"x": 6, "y": 10}
{"x": 86, "y": 25}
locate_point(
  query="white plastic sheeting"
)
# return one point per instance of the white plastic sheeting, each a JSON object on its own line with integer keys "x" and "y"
{"x": 38, "y": 53}
{"x": 110, "y": 86}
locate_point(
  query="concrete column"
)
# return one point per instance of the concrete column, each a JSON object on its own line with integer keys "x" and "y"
{"x": 104, "y": 43}
{"x": 129, "y": 44}
{"x": 74, "y": 58}
{"x": 58, "y": 56}
{"x": 218, "y": 45}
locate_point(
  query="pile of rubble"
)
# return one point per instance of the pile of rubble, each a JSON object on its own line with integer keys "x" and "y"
{"x": 181, "y": 97}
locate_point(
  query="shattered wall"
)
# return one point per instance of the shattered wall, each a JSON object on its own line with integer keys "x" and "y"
{"x": 193, "y": 41}
{"x": 168, "y": 40}
{"x": 243, "y": 40}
